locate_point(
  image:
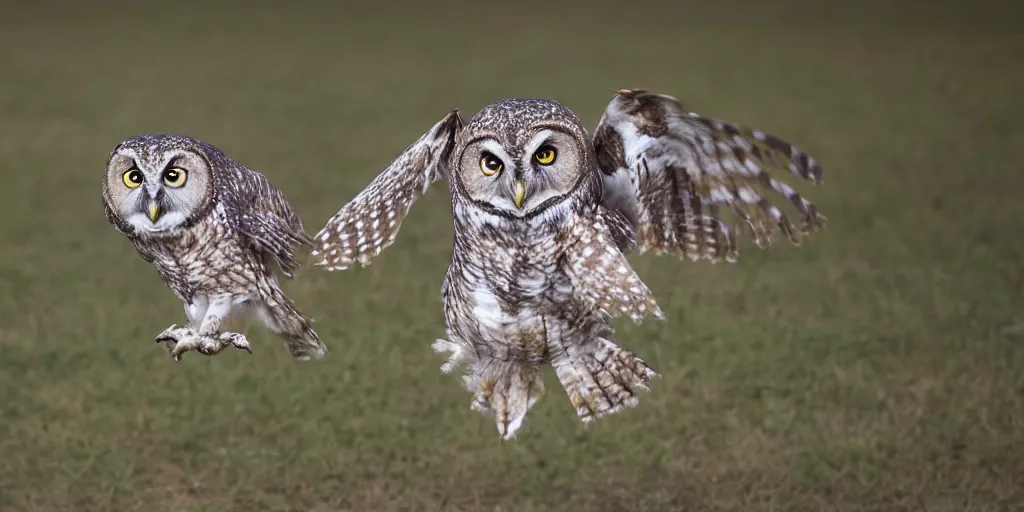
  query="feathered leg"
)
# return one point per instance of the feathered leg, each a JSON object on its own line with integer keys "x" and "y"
{"x": 508, "y": 388}
{"x": 206, "y": 338}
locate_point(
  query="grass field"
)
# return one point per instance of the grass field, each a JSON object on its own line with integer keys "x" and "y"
{"x": 875, "y": 368}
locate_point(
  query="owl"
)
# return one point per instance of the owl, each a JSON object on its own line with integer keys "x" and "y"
{"x": 213, "y": 229}
{"x": 544, "y": 216}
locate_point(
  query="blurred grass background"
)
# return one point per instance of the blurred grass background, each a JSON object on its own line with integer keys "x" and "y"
{"x": 875, "y": 368}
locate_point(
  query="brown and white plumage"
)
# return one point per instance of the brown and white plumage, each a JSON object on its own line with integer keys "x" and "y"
{"x": 370, "y": 222}
{"x": 212, "y": 228}
{"x": 543, "y": 224}
{"x": 605, "y": 278}
{"x": 674, "y": 171}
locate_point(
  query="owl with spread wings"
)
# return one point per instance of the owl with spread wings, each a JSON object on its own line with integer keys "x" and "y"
{"x": 545, "y": 216}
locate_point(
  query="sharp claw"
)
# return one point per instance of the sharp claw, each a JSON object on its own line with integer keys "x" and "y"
{"x": 241, "y": 345}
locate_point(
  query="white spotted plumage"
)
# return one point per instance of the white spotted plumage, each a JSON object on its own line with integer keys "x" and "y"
{"x": 544, "y": 216}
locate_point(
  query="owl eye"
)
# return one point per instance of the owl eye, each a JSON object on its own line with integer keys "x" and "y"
{"x": 175, "y": 177}
{"x": 132, "y": 178}
{"x": 545, "y": 155}
{"x": 490, "y": 164}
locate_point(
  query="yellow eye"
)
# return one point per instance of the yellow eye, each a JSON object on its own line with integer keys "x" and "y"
{"x": 545, "y": 155}
{"x": 132, "y": 178}
{"x": 175, "y": 177}
{"x": 490, "y": 164}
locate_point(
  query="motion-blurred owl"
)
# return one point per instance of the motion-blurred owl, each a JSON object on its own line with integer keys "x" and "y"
{"x": 212, "y": 228}
{"x": 544, "y": 217}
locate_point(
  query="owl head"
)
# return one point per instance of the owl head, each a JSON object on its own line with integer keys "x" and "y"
{"x": 519, "y": 157}
{"x": 155, "y": 184}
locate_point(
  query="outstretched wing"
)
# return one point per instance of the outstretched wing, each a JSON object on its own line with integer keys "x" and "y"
{"x": 671, "y": 171}
{"x": 258, "y": 211}
{"x": 599, "y": 270}
{"x": 369, "y": 223}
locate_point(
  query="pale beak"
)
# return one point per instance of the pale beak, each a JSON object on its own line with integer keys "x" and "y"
{"x": 520, "y": 193}
{"x": 154, "y": 211}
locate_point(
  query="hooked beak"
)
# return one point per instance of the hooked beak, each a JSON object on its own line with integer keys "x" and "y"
{"x": 520, "y": 193}
{"x": 153, "y": 210}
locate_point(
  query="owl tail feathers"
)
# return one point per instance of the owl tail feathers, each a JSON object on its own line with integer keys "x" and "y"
{"x": 305, "y": 344}
{"x": 508, "y": 389}
{"x": 280, "y": 316}
{"x": 601, "y": 378}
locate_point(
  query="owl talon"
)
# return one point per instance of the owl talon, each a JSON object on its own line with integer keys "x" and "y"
{"x": 235, "y": 339}
{"x": 184, "y": 344}
{"x": 187, "y": 340}
{"x": 174, "y": 333}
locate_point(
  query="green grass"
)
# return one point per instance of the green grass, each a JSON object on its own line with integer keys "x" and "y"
{"x": 871, "y": 369}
